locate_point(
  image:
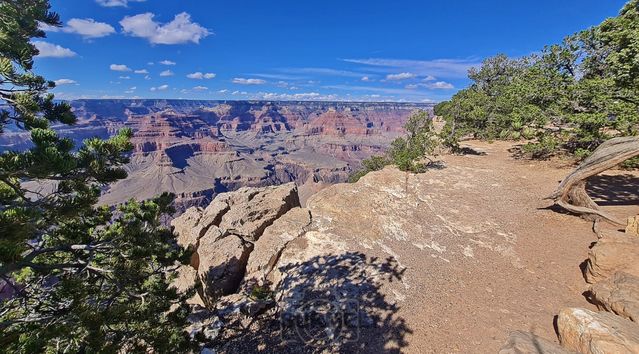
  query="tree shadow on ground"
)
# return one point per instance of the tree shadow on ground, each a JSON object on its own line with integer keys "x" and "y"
{"x": 614, "y": 190}
{"x": 330, "y": 303}
{"x": 467, "y": 150}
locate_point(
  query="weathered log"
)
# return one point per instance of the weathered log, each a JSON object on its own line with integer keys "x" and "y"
{"x": 571, "y": 193}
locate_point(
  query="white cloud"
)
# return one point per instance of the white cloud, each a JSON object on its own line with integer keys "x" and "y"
{"x": 453, "y": 68}
{"x": 61, "y": 82}
{"x": 200, "y": 88}
{"x": 180, "y": 30}
{"x": 242, "y": 81}
{"x": 400, "y": 76}
{"x": 119, "y": 67}
{"x": 141, "y": 71}
{"x": 366, "y": 79}
{"x": 125, "y": 77}
{"x": 440, "y": 85}
{"x": 429, "y": 78}
{"x": 88, "y": 28}
{"x": 147, "y": 77}
{"x": 167, "y": 73}
{"x": 114, "y": 3}
{"x": 160, "y": 88}
{"x": 48, "y": 50}
{"x": 133, "y": 88}
{"x": 223, "y": 91}
{"x": 167, "y": 62}
{"x": 47, "y": 28}
{"x": 199, "y": 76}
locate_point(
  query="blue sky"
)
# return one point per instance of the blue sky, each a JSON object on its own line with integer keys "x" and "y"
{"x": 316, "y": 50}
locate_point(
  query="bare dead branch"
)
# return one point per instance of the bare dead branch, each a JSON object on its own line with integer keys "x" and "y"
{"x": 571, "y": 193}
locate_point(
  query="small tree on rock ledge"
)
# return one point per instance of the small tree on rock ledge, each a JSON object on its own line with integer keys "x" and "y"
{"x": 407, "y": 153}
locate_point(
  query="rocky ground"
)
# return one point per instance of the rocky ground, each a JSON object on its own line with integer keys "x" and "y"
{"x": 451, "y": 260}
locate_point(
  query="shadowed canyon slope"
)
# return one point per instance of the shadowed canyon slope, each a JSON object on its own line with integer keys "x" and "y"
{"x": 197, "y": 149}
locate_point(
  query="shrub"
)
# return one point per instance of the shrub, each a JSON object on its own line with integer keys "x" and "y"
{"x": 374, "y": 163}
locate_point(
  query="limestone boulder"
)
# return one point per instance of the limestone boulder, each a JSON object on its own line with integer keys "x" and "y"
{"x": 269, "y": 247}
{"x": 310, "y": 246}
{"x": 613, "y": 252}
{"x": 184, "y": 225}
{"x": 586, "y": 332}
{"x": 221, "y": 265}
{"x": 212, "y": 214}
{"x": 520, "y": 342}
{"x": 185, "y": 280}
{"x": 252, "y": 210}
{"x": 618, "y": 294}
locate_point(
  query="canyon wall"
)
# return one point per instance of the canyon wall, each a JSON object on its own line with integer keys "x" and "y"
{"x": 198, "y": 149}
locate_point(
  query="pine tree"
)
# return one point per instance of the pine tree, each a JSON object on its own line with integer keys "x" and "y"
{"x": 84, "y": 278}
{"x": 569, "y": 98}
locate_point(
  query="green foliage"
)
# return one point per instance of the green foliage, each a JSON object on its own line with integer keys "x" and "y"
{"x": 261, "y": 293}
{"x": 568, "y": 99}
{"x": 543, "y": 148}
{"x": 86, "y": 278}
{"x": 407, "y": 153}
{"x": 374, "y": 163}
{"x": 630, "y": 164}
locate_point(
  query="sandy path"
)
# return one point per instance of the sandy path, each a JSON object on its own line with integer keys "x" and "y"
{"x": 471, "y": 303}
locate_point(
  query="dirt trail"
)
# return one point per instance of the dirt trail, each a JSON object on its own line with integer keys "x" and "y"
{"x": 484, "y": 299}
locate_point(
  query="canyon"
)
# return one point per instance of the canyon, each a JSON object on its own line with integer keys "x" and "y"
{"x": 198, "y": 149}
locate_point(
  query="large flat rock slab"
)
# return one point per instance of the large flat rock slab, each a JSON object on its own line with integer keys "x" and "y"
{"x": 252, "y": 210}
{"x": 274, "y": 239}
{"x": 590, "y": 332}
